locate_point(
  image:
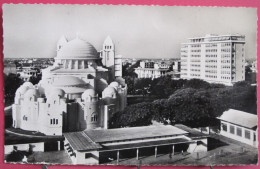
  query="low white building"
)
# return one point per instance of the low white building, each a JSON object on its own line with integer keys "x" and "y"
{"x": 240, "y": 126}
{"x": 149, "y": 69}
{"x": 101, "y": 146}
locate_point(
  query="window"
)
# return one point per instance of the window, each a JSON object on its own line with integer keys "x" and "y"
{"x": 51, "y": 121}
{"x": 239, "y": 131}
{"x": 93, "y": 117}
{"x": 25, "y": 118}
{"x": 88, "y": 155}
{"x": 232, "y": 129}
{"x": 247, "y": 134}
{"x": 56, "y": 121}
{"x": 224, "y": 127}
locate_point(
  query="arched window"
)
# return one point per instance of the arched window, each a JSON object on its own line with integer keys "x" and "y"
{"x": 93, "y": 117}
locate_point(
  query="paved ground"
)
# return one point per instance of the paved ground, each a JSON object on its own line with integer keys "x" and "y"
{"x": 53, "y": 157}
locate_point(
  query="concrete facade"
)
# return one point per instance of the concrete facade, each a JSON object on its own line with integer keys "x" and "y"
{"x": 240, "y": 126}
{"x": 213, "y": 58}
{"x": 239, "y": 133}
{"x": 73, "y": 95}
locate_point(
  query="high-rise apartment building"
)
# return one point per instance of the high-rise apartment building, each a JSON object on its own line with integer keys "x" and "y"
{"x": 214, "y": 58}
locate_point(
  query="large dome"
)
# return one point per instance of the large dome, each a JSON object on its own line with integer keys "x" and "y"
{"x": 69, "y": 81}
{"x": 71, "y": 84}
{"x": 77, "y": 49}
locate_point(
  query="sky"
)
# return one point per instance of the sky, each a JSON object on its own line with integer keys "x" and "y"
{"x": 32, "y": 30}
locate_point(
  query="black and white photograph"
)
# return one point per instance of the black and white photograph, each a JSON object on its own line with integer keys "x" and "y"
{"x": 130, "y": 85}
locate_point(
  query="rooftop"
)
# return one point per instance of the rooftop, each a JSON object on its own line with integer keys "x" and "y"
{"x": 133, "y": 133}
{"x": 80, "y": 141}
{"x": 91, "y": 139}
{"x": 240, "y": 118}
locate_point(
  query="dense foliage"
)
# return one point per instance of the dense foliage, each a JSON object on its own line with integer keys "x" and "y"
{"x": 35, "y": 79}
{"x": 11, "y": 83}
{"x": 195, "y": 103}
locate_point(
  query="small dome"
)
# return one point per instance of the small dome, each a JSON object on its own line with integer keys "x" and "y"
{"x": 29, "y": 84}
{"x": 21, "y": 90}
{"x": 69, "y": 81}
{"x": 88, "y": 92}
{"x": 58, "y": 92}
{"x": 109, "y": 92}
{"x": 114, "y": 84}
{"x": 31, "y": 93}
{"x": 77, "y": 49}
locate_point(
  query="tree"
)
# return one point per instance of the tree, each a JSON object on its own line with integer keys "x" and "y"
{"x": 129, "y": 70}
{"x": 35, "y": 79}
{"x": 134, "y": 115}
{"x": 15, "y": 156}
{"x": 197, "y": 84}
{"x": 195, "y": 107}
{"x": 11, "y": 83}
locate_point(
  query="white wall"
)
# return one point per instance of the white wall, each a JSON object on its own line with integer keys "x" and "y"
{"x": 240, "y": 138}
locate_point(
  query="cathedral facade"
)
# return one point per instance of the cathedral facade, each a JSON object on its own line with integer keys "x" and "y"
{"x": 82, "y": 90}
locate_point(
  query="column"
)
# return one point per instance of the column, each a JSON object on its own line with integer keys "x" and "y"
{"x": 155, "y": 152}
{"x": 117, "y": 160}
{"x": 137, "y": 153}
{"x": 58, "y": 145}
{"x": 70, "y": 64}
{"x": 83, "y": 64}
{"x": 172, "y": 149}
{"x": 76, "y": 64}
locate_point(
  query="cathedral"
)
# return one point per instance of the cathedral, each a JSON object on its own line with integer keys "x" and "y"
{"x": 81, "y": 90}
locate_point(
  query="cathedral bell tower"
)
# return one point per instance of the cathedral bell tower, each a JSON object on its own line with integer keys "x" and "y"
{"x": 108, "y": 56}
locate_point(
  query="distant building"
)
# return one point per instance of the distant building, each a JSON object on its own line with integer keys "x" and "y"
{"x": 9, "y": 69}
{"x": 254, "y": 67}
{"x": 104, "y": 146}
{"x": 75, "y": 94}
{"x": 27, "y": 72}
{"x": 213, "y": 58}
{"x": 150, "y": 69}
{"x": 176, "y": 66}
{"x": 240, "y": 126}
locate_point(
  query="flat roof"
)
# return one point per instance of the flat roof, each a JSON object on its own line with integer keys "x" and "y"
{"x": 193, "y": 134}
{"x": 132, "y": 133}
{"x": 240, "y": 118}
{"x": 80, "y": 141}
{"x": 216, "y": 36}
{"x": 93, "y": 139}
{"x": 146, "y": 144}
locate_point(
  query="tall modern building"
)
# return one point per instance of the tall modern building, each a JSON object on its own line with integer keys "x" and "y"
{"x": 214, "y": 58}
